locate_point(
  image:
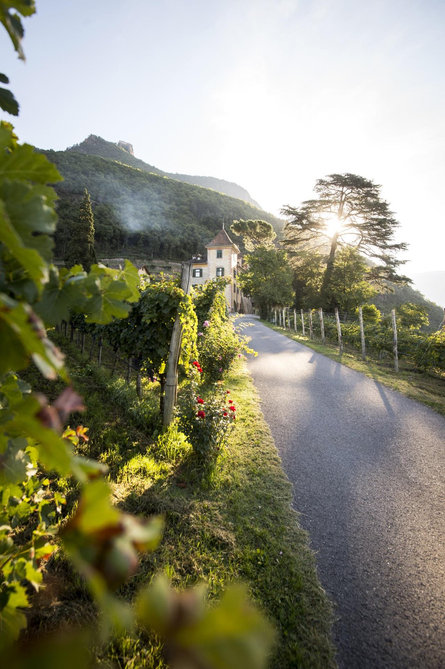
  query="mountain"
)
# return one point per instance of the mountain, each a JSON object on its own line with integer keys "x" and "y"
{"x": 123, "y": 153}
{"x": 432, "y": 284}
{"x": 139, "y": 211}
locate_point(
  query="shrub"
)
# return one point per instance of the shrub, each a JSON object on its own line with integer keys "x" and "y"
{"x": 370, "y": 314}
{"x": 206, "y": 422}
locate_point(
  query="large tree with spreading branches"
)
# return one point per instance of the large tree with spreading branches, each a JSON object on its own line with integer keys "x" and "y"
{"x": 348, "y": 212}
{"x": 254, "y": 233}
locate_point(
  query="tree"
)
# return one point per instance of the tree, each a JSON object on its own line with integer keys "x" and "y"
{"x": 254, "y": 233}
{"x": 412, "y": 316}
{"x": 267, "y": 279}
{"x": 349, "y": 287}
{"x": 349, "y": 212}
{"x": 80, "y": 250}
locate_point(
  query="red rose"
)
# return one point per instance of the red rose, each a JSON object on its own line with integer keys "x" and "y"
{"x": 230, "y": 401}
{"x": 200, "y": 401}
{"x": 201, "y": 414}
{"x": 232, "y": 408}
{"x": 225, "y": 413}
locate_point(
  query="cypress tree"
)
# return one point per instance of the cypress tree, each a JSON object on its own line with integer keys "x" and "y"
{"x": 80, "y": 249}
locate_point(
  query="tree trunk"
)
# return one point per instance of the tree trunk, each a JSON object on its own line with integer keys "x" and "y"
{"x": 328, "y": 272}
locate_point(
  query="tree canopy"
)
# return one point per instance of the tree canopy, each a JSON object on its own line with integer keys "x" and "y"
{"x": 267, "y": 279}
{"x": 348, "y": 212}
{"x": 80, "y": 250}
{"x": 254, "y": 233}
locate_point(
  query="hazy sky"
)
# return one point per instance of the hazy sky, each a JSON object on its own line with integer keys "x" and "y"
{"x": 271, "y": 94}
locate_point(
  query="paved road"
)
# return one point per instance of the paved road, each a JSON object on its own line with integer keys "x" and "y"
{"x": 368, "y": 470}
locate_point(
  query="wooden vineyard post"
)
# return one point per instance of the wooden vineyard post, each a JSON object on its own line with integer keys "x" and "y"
{"x": 323, "y": 338}
{"x": 284, "y": 318}
{"x": 99, "y": 353}
{"x": 171, "y": 380}
{"x": 340, "y": 340}
{"x": 302, "y": 323}
{"x": 295, "y": 321}
{"x": 310, "y": 324}
{"x": 362, "y": 333}
{"x": 275, "y": 317}
{"x": 394, "y": 341}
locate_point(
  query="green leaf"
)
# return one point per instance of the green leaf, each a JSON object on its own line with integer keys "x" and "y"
{"x": 8, "y": 102}
{"x": 13, "y": 621}
{"x": 54, "y": 452}
{"x": 28, "y": 258}
{"x": 232, "y": 634}
{"x": 13, "y": 463}
{"x": 143, "y": 536}
{"x": 33, "y": 575}
{"x": 23, "y": 335}
{"x": 95, "y": 509}
{"x": 85, "y": 469}
{"x": 24, "y": 163}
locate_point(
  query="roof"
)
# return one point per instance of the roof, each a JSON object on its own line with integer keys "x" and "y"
{"x": 222, "y": 239}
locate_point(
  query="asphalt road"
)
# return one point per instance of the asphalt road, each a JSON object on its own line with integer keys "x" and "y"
{"x": 368, "y": 469}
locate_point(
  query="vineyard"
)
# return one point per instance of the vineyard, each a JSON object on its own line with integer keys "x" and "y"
{"x": 391, "y": 337}
{"x": 83, "y": 449}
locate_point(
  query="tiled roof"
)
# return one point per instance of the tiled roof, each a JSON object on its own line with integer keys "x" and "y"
{"x": 222, "y": 239}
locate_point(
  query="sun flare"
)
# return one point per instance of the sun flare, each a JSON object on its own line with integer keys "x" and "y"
{"x": 333, "y": 225}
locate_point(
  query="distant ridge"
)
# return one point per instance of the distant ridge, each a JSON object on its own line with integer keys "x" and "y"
{"x": 140, "y": 211}
{"x": 120, "y": 151}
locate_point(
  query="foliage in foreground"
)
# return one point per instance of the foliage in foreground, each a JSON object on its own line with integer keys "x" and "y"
{"x": 37, "y": 456}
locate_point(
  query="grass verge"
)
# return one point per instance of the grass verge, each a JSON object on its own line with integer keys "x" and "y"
{"x": 426, "y": 388}
{"x": 236, "y": 524}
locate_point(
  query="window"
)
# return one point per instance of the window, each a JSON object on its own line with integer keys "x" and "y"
{"x": 220, "y": 271}
{"x": 197, "y": 272}
{"x": 219, "y": 253}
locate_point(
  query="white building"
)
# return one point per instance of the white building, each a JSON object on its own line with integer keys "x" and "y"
{"x": 223, "y": 260}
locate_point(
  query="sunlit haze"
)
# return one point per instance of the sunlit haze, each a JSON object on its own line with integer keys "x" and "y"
{"x": 271, "y": 94}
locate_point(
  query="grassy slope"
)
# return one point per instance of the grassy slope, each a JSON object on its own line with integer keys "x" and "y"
{"x": 426, "y": 388}
{"x": 237, "y": 525}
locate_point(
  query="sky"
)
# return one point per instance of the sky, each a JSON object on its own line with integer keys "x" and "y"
{"x": 270, "y": 94}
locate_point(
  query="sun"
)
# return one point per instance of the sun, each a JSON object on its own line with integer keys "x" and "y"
{"x": 333, "y": 226}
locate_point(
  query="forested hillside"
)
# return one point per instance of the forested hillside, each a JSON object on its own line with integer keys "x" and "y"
{"x": 96, "y": 146}
{"x": 402, "y": 294}
{"x": 141, "y": 213}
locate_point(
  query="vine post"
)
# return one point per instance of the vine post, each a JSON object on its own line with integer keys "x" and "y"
{"x": 310, "y": 324}
{"x": 302, "y": 322}
{"x": 323, "y": 337}
{"x": 171, "y": 381}
{"x": 340, "y": 340}
{"x": 394, "y": 340}
{"x": 295, "y": 321}
{"x": 362, "y": 333}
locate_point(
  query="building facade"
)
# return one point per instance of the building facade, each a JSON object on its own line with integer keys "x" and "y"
{"x": 223, "y": 260}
